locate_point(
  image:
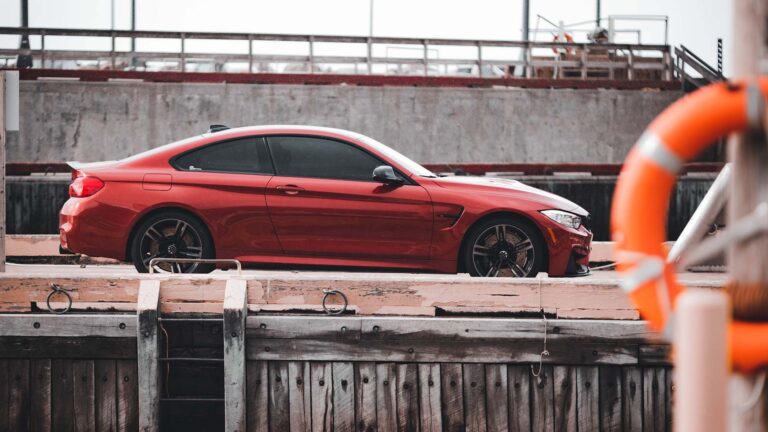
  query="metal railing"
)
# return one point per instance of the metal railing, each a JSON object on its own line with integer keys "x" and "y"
{"x": 528, "y": 57}
{"x": 706, "y": 73}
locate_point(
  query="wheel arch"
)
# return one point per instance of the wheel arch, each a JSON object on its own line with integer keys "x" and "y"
{"x": 161, "y": 209}
{"x": 500, "y": 213}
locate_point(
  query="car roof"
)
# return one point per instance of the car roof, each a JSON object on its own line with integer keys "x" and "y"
{"x": 285, "y": 129}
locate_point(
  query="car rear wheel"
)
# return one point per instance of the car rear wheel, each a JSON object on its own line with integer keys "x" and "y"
{"x": 504, "y": 247}
{"x": 171, "y": 235}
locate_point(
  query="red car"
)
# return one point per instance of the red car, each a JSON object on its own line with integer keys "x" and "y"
{"x": 300, "y": 195}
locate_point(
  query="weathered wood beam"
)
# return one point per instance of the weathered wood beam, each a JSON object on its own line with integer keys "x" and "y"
{"x": 235, "y": 312}
{"x": 70, "y": 325}
{"x": 148, "y": 354}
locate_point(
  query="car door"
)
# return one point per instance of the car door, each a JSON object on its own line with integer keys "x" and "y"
{"x": 225, "y": 183}
{"x": 323, "y": 201}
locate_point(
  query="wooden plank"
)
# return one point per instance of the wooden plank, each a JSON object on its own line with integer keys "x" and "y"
{"x": 669, "y": 390}
{"x": 300, "y": 396}
{"x": 407, "y": 398}
{"x": 235, "y": 313}
{"x": 18, "y": 394}
{"x": 432, "y": 351}
{"x": 452, "y": 394}
{"x": 632, "y": 398}
{"x": 474, "y": 396}
{"x": 565, "y": 398}
{"x": 654, "y": 402}
{"x": 588, "y": 398}
{"x": 74, "y": 325}
{"x": 279, "y": 412}
{"x": 542, "y": 400}
{"x": 127, "y": 395}
{"x": 73, "y": 348}
{"x": 105, "y": 372}
{"x": 343, "y": 397}
{"x": 287, "y": 327}
{"x": 147, "y": 357}
{"x": 655, "y": 354}
{"x": 365, "y": 396}
{"x": 3, "y": 144}
{"x": 62, "y": 391}
{"x": 610, "y": 398}
{"x": 386, "y": 398}
{"x": 520, "y": 329}
{"x": 84, "y": 391}
{"x": 257, "y": 396}
{"x": 497, "y": 397}
{"x": 322, "y": 396}
{"x": 519, "y": 398}
{"x": 429, "y": 397}
{"x": 40, "y": 395}
{"x": 4, "y": 386}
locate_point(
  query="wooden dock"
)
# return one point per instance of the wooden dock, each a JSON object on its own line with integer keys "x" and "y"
{"x": 257, "y": 353}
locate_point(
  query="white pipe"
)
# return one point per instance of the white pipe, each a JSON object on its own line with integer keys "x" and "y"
{"x": 701, "y": 361}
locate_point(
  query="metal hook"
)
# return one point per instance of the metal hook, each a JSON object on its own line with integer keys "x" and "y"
{"x": 328, "y": 292}
{"x": 56, "y": 289}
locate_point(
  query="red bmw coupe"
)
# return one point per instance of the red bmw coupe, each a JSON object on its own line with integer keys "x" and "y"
{"x": 300, "y": 195}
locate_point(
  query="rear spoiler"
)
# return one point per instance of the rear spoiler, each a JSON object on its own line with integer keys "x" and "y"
{"x": 86, "y": 165}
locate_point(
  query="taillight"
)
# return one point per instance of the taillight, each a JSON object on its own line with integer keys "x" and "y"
{"x": 82, "y": 187}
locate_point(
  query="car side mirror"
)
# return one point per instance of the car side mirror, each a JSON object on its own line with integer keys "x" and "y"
{"x": 385, "y": 174}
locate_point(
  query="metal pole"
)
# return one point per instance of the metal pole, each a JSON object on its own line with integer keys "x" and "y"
{"x": 597, "y": 13}
{"x": 526, "y": 19}
{"x": 24, "y": 60}
{"x": 370, "y": 19}
{"x": 133, "y": 28}
{"x": 748, "y": 154}
{"x": 704, "y": 216}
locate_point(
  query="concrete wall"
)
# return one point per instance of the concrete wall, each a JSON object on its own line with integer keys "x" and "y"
{"x": 63, "y": 120}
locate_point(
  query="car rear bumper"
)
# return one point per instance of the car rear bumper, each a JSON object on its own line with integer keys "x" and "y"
{"x": 89, "y": 227}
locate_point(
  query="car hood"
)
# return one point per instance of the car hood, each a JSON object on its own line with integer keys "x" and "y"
{"x": 499, "y": 186}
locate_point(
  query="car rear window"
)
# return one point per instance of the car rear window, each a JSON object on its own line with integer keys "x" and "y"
{"x": 297, "y": 156}
{"x": 241, "y": 155}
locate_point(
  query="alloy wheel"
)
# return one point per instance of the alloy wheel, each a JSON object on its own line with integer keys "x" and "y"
{"x": 503, "y": 251}
{"x": 171, "y": 238}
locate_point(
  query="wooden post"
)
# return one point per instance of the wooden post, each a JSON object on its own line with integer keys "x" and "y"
{"x": 148, "y": 349}
{"x": 701, "y": 332}
{"x": 2, "y": 171}
{"x": 748, "y": 154}
{"x": 235, "y": 313}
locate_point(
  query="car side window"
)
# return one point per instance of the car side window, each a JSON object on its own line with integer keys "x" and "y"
{"x": 297, "y": 156}
{"x": 242, "y": 155}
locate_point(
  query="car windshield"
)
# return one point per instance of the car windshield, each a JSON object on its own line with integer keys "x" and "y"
{"x": 399, "y": 158}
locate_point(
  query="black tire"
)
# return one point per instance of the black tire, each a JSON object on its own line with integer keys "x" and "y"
{"x": 522, "y": 253}
{"x": 172, "y": 234}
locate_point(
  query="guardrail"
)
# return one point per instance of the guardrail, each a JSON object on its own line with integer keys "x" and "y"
{"x": 529, "y": 56}
{"x": 686, "y": 57}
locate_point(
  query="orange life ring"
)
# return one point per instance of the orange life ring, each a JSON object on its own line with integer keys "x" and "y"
{"x": 568, "y": 38}
{"x": 641, "y": 200}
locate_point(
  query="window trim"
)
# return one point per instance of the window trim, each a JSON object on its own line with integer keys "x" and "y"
{"x": 173, "y": 160}
{"x": 408, "y": 181}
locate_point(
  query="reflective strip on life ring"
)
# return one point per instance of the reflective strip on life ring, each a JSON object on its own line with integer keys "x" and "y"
{"x": 641, "y": 200}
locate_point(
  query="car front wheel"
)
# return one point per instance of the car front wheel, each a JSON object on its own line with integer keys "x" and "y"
{"x": 171, "y": 235}
{"x": 504, "y": 247}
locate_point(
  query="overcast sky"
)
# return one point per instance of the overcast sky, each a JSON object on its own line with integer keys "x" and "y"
{"x": 694, "y": 23}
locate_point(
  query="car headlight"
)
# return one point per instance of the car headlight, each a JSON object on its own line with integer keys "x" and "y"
{"x": 563, "y": 218}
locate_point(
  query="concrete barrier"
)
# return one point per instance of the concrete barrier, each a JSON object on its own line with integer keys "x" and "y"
{"x": 91, "y": 121}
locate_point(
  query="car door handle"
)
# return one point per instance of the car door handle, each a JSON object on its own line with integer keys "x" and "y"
{"x": 290, "y": 189}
